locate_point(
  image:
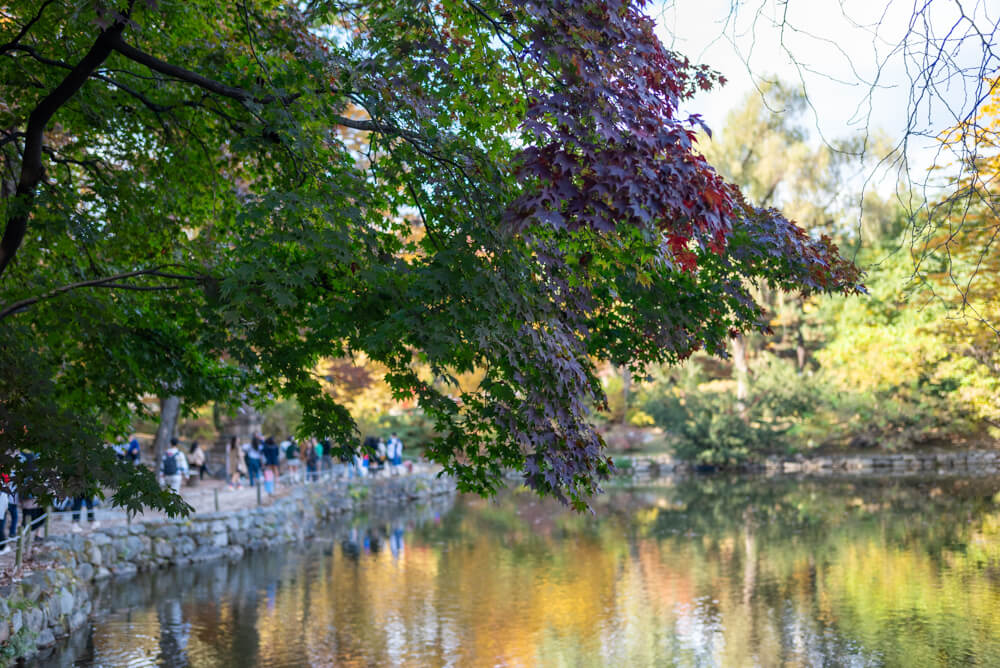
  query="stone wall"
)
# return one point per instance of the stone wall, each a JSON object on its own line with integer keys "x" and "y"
{"x": 971, "y": 462}
{"x": 58, "y": 597}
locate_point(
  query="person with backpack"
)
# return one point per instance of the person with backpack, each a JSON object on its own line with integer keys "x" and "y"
{"x": 312, "y": 460}
{"x": 174, "y": 467}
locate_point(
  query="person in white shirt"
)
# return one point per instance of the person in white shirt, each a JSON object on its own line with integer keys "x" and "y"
{"x": 395, "y": 453}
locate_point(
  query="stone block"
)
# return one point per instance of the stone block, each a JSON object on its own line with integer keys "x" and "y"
{"x": 92, "y": 553}
{"x": 85, "y": 572}
{"x": 124, "y": 570}
{"x": 163, "y": 549}
{"x": 100, "y": 538}
{"x": 46, "y": 638}
{"x": 65, "y": 602}
{"x": 77, "y": 620}
{"x": 207, "y": 553}
{"x": 34, "y": 619}
{"x": 184, "y": 545}
{"x": 166, "y": 531}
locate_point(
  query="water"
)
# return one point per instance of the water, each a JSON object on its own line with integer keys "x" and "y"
{"x": 708, "y": 572}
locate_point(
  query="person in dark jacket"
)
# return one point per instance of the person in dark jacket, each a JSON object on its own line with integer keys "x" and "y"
{"x": 272, "y": 456}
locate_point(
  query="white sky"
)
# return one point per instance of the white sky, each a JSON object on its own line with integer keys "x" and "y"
{"x": 855, "y": 59}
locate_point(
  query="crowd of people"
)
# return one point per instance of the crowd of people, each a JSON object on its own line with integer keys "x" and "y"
{"x": 264, "y": 460}
{"x": 258, "y": 461}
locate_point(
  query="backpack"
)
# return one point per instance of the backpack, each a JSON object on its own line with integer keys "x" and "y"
{"x": 170, "y": 464}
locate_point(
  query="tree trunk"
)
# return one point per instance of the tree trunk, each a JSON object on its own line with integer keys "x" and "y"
{"x": 800, "y": 348}
{"x": 170, "y": 410}
{"x": 741, "y": 372}
{"x": 626, "y": 391}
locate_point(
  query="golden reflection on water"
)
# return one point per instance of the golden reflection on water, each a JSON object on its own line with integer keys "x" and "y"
{"x": 732, "y": 573}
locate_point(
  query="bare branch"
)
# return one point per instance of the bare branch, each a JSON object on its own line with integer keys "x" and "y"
{"x": 106, "y": 282}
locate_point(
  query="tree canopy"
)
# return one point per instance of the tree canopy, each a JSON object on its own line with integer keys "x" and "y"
{"x": 206, "y": 199}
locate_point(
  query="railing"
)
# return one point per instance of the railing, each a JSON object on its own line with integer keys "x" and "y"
{"x": 24, "y": 538}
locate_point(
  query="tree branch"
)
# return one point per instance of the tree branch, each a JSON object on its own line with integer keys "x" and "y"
{"x": 31, "y": 160}
{"x": 182, "y": 74}
{"x": 106, "y": 282}
{"x": 24, "y": 31}
{"x": 242, "y": 94}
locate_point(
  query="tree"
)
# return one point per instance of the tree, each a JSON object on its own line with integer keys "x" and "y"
{"x": 955, "y": 252}
{"x": 182, "y": 211}
{"x": 766, "y": 149}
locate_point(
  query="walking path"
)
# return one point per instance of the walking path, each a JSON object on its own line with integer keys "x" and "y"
{"x": 205, "y": 496}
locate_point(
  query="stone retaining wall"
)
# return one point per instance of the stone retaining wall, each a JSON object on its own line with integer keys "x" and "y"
{"x": 967, "y": 463}
{"x": 971, "y": 462}
{"x": 58, "y": 597}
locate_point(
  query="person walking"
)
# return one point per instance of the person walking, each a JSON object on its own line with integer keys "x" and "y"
{"x": 4, "y": 503}
{"x": 326, "y": 455}
{"x": 31, "y": 512}
{"x": 198, "y": 460}
{"x": 235, "y": 464}
{"x": 251, "y": 454}
{"x": 9, "y": 508}
{"x": 272, "y": 458}
{"x": 396, "y": 453}
{"x": 312, "y": 459}
{"x": 292, "y": 457}
{"x": 174, "y": 467}
{"x": 379, "y": 463}
{"x": 78, "y": 503}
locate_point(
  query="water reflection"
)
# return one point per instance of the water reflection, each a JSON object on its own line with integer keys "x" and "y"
{"x": 708, "y": 572}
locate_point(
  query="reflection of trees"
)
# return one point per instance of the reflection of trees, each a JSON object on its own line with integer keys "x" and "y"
{"x": 717, "y": 571}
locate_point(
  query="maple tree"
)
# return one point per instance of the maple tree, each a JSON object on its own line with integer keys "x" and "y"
{"x": 183, "y": 215}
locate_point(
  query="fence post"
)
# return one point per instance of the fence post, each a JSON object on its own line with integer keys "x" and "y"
{"x": 216, "y": 493}
{"x": 48, "y": 516}
{"x": 29, "y": 539}
{"x": 19, "y": 551}
{"x": 258, "y": 486}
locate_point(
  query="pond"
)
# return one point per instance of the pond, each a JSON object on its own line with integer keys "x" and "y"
{"x": 705, "y": 572}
